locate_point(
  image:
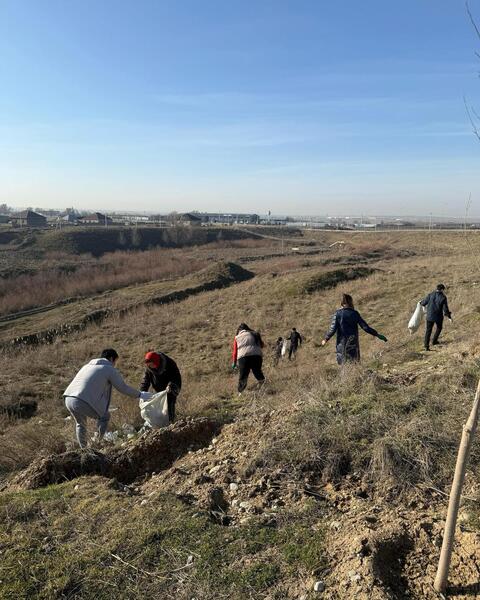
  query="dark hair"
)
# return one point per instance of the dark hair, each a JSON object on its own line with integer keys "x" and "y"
{"x": 440, "y": 287}
{"x": 280, "y": 339}
{"x": 243, "y": 327}
{"x": 293, "y": 329}
{"x": 347, "y": 301}
{"x": 110, "y": 354}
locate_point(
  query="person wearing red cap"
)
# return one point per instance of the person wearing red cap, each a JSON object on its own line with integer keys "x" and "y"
{"x": 162, "y": 373}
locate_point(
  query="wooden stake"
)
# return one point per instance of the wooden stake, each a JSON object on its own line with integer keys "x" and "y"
{"x": 455, "y": 494}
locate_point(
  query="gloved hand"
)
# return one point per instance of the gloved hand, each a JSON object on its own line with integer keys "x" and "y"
{"x": 234, "y": 366}
{"x": 382, "y": 337}
{"x": 146, "y": 396}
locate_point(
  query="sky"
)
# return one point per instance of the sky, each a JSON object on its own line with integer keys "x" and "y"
{"x": 290, "y": 106}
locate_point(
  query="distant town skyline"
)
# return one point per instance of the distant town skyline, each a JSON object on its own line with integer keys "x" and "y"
{"x": 467, "y": 215}
{"x": 300, "y": 108}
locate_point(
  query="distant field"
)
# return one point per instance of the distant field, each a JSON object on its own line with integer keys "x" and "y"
{"x": 37, "y": 269}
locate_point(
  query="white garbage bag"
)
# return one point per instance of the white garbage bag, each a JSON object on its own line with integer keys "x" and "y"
{"x": 155, "y": 411}
{"x": 417, "y": 318}
{"x": 285, "y": 346}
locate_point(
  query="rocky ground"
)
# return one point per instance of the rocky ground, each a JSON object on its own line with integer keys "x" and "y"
{"x": 378, "y": 544}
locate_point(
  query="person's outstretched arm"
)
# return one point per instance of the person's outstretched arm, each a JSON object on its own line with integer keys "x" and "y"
{"x": 147, "y": 381}
{"x": 332, "y": 330}
{"x": 117, "y": 381}
{"x": 366, "y": 327}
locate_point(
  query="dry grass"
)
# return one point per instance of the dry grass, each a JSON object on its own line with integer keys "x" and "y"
{"x": 111, "y": 271}
{"x": 198, "y": 333}
{"x": 390, "y": 424}
{"x": 59, "y": 275}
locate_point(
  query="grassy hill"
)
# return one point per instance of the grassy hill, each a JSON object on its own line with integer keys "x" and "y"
{"x": 322, "y": 475}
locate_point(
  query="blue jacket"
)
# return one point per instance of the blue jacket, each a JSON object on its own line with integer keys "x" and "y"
{"x": 437, "y": 306}
{"x": 345, "y": 324}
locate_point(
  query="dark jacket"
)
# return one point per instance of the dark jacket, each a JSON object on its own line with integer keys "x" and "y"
{"x": 437, "y": 306}
{"x": 295, "y": 339}
{"x": 159, "y": 378}
{"x": 345, "y": 324}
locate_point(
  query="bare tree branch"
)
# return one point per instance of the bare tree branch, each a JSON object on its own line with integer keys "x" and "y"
{"x": 472, "y": 20}
{"x": 470, "y": 111}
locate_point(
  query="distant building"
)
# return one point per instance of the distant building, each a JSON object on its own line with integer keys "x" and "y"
{"x": 189, "y": 219}
{"x": 29, "y": 218}
{"x": 160, "y": 220}
{"x": 70, "y": 218}
{"x": 95, "y": 218}
{"x": 5, "y": 219}
{"x": 313, "y": 224}
{"x": 228, "y": 218}
{"x": 269, "y": 220}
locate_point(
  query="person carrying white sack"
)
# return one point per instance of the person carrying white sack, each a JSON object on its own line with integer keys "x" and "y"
{"x": 162, "y": 374}
{"x": 89, "y": 394}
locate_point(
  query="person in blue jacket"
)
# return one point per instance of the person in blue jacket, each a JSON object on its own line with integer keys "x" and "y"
{"x": 437, "y": 308}
{"x": 345, "y": 324}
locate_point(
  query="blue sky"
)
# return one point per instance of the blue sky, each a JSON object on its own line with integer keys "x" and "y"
{"x": 298, "y": 107}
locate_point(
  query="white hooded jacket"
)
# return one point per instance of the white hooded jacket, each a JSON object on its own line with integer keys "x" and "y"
{"x": 93, "y": 384}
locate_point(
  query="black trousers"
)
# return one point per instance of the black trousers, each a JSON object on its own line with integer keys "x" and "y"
{"x": 171, "y": 401}
{"x": 293, "y": 350}
{"x": 247, "y": 364}
{"x": 428, "y": 332}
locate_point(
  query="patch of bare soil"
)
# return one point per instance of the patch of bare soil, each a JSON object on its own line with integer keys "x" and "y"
{"x": 383, "y": 552}
{"x": 380, "y": 546}
{"x": 153, "y": 452}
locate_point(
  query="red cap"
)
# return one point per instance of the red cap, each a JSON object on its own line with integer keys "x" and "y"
{"x": 154, "y": 358}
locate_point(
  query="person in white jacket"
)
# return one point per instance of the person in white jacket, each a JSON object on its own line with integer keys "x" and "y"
{"x": 89, "y": 393}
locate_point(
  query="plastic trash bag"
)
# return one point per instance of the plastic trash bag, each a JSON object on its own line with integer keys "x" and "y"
{"x": 285, "y": 347}
{"x": 155, "y": 411}
{"x": 111, "y": 436}
{"x": 417, "y": 318}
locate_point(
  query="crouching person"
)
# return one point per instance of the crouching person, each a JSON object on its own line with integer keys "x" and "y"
{"x": 89, "y": 393}
{"x": 162, "y": 374}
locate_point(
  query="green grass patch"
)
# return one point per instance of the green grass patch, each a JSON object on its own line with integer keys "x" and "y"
{"x": 95, "y": 541}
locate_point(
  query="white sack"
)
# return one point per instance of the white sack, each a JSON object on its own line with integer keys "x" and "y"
{"x": 285, "y": 347}
{"x": 417, "y": 318}
{"x": 155, "y": 411}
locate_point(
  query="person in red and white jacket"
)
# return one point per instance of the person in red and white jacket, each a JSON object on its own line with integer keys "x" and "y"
{"x": 247, "y": 355}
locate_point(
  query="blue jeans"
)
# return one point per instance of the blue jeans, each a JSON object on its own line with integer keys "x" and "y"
{"x": 80, "y": 411}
